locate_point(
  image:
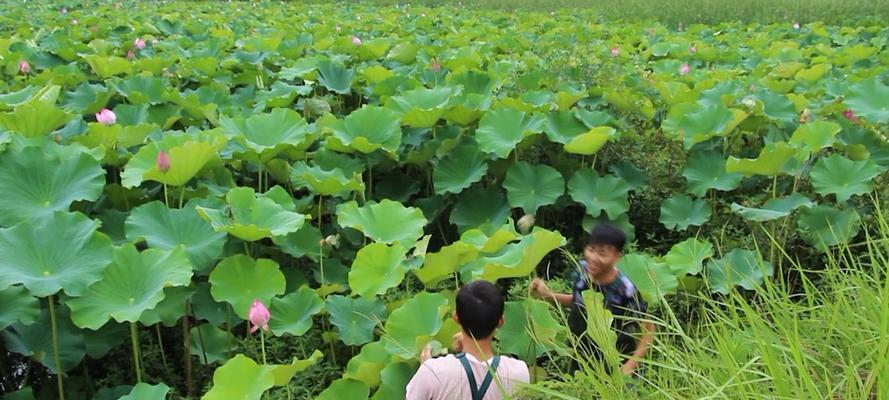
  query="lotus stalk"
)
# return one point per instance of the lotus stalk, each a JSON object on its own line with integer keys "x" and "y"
{"x": 137, "y": 362}
{"x": 55, "y": 346}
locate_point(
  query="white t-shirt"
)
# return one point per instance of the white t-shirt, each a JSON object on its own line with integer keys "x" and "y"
{"x": 444, "y": 378}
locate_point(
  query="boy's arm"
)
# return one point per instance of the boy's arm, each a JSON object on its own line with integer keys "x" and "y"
{"x": 641, "y": 348}
{"x": 540, "y": 290}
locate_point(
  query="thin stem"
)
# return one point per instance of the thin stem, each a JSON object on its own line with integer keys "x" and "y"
{"x": 259, "y": 188}
{"x": 55, "y": 346}
{"x": 166, "y": 196}
{"x": 189, "y": 308}
{"x": 321, "y": 266}
{"x": 134, "y": 336}
{"x": 186, "y": 354}
{"x": 181, "y": 196}
{"x": 160, "y": 343}
{"x": 262, "y": 344}
{"x": 228, "y": 327}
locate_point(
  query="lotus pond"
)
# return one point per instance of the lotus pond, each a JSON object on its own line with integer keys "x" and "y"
{"x": 165, "y": 165}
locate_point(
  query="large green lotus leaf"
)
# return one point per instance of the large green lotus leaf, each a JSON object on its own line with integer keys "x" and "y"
{"x": 529, "y": 330}
{"x": 306, "y": 242}
{"x": 165, "y": 228}
{"x": 774, "y": 208}
{"x": 843, "y": 177}
{"x": 293, "y": 313}
{"x": 264, "y": 136}
{"x": 823, "y": 226}
{"x": 868, "y": 99}
{"x": 501, "y": 130}
{"x": 116, "y": 139}
{"x": 532, "y": 186}
{"x": 61, "y": 252}
{"x": 12, "y": 99}
{"x": 705, "y": 170}
{"x": 688, "y": 256}
{"x": 240, "y": 378}
{"x": 562, "y": 126}
{"x": 325, "y": 182}
{"x": 284, "y": 373}
{"x": 368, "y": 364}
{"x": 86, "y": 98}
{"x": 36, "y": 183}
{"x": 345, "y": 388}
{"x": 679, "y": 212}
{"x": 108, "y": 66}
{"x": 519, "y": 259}
{"x": 816, "y": 135}
{"x": 35, "y": 119}
{"x": 771, "y": 161}
{"x": 171, "y": 308}
{"x": 35, "y": 340}
{"x": 394, "y": 379}
{"x": 590, "y": 142}
{"x": 207, "y": 308}
{"x": 653, "y": 279}
{"x": 739, "y": 267}
{"x": 133, "y": 283}
{"x": 188, "y": 156}
{"x": 777, "y": 106}
{"x": 376, "y": 269}
{"x": 335, "y": 77}
{"x": 462, "y": 167}
{"x": 368, "y": 129}
{"x": 239, "y": 280}
{"x": 144, "y": 391}
{"x": 444, "y": 263}
{"x": 355, "y": 318}
{"x": 216, "y": 343}
{"x": 695, "y": 123}
{"x": 414, "y": 324}
{"x": 606, "y": 193}
{"x": 422, "y": 107}
{"x": 480, "y": 206}
{"x": 250, "y": 217}
{"x": 141, "y": 89}
{"x": 387, "y": 221}
{"x": 18, "y": 306}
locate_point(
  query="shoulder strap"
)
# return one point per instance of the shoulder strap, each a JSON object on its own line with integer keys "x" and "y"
{"x": 478, "y": 392}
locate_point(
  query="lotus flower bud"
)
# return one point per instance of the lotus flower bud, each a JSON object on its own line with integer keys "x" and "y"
{"x": 796, "y": 25}
{"x": 106, "y": 117}
{"x": 615, "y": 51}
{"x": 163, "y": 161}
{"x": 356, "y": 40}
{"x": 24, "y": 67}
{"x": 850, "y": 115}
{"x": 436, "y": 66}
{"x": 692, "y": 49}
{"x": 74, "y": 21}
{"x": 805, "y": 116}
{"x": 526, "y": 222}
{"x": 685, "y": 69}
{"x": 332, "y": 240}
{"x": 259, "y": 316}
{"x": 139, "y": 43}
{"x": 131, "y": 54}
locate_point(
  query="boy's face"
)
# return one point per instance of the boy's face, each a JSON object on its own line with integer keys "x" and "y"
{"x": 600, "y": 258}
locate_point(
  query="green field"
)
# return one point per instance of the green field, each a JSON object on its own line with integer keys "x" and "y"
{"x": 165, "y": 165}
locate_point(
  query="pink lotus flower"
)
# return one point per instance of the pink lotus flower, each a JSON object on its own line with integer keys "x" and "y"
{"x": 685, "y": 69}
{"x": 131, "y": 54}
{"x": 139, "y": 43}
{"x": 259, "y": 316}
{"x": 163, "y": 161}
{"x": 615, "y": 51}
{"x": 24, "y": 67}
{"x": 850, "y": 115}
{"x": 356, "y": 40}
{"x": 692, "y": 49}
{"x": 796, "y": 25}
{"x": 106, "y": 117}
{"x": 436, "y": 66}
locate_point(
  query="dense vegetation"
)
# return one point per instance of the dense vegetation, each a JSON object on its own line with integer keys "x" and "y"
{"x": 164, "y": 166}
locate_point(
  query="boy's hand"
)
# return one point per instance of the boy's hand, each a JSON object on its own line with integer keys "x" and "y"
{"x": 426, "y": 353}
{"x": 628, "y": 368}
{"x": 540, "y": 290}
{"x": 457, "y": 343}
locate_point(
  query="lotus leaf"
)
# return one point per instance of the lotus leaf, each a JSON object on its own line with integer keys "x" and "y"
{"x": 368, "y": 129}
{"x": 868, "y": 99}
{"x": 606, "y": 193}
{"x": 464, "y": 166}
{"x": 264, "y": 136}
{"x": 293, "y": 313}
{"x": 771, "y": 161}
{"x": 188, "y": 156}
{"x": 215, "y": 343}
{"x": 444, "y": 263}
{"x": 653, "y": 279}
{"x": 705, "y": 170}
{"x": 479, "y": 206}
{"x": 815, "y": 135}
{"x": 284, "y": 373}
{"x": 250, "y": 217}
{"x": 18, "y": 306}
{"x": 688, "y": 256}
{"x": 345, "y": 388}
{"x": 532, "y": 186}
{"x": 530, "y": 328}
{"x": 240, "y": 378}
{"x": 368, "y": 364}
{"x": 165, "y": 229}
{"x": 413, "y": 324}
{"x": 61, "y": 252}
{"x": 395, "y": 378}
{"x": 420, "y": 108}
{"x": 376, "y": 269}
{"x": 144, "y": 391}
{"x": 679, "y": 212}
{"x": 774, "y": 208}
{"x": 501, "y": 130}
{"x": 356, "y": 318}
{"x": 35, "y": 340}
{"x": 520, "y": 259}
{"x": 132, "y": 284}
{"x": 386, "y": 222}
{"x": 739, "y": 267}
{"x": 239, "y": 280}
{"x": 843, "y": 177}
{"x": 823, "y": 226}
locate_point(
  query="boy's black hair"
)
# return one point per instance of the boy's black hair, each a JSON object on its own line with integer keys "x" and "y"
{"x": 479, "y": 308}
{"x": 608, "y": 235}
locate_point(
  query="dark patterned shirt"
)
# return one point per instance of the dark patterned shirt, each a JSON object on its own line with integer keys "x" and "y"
{"x": 621, "y": 298}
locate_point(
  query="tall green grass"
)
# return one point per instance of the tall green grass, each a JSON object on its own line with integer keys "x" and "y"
{"x": 695, "y": 11}
{"x": 814, "y": 332}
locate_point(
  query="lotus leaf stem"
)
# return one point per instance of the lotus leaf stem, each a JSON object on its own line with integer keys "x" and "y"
{"x": 55, "y": 346}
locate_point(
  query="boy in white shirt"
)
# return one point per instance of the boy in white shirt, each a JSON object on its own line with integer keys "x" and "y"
{"x": 477, "y": 373}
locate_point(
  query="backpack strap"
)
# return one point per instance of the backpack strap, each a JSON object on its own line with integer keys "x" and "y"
{"x": 478, "y": 392}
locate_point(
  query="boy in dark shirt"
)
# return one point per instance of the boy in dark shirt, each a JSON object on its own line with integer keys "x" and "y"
{"x": 602, "y": 252}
